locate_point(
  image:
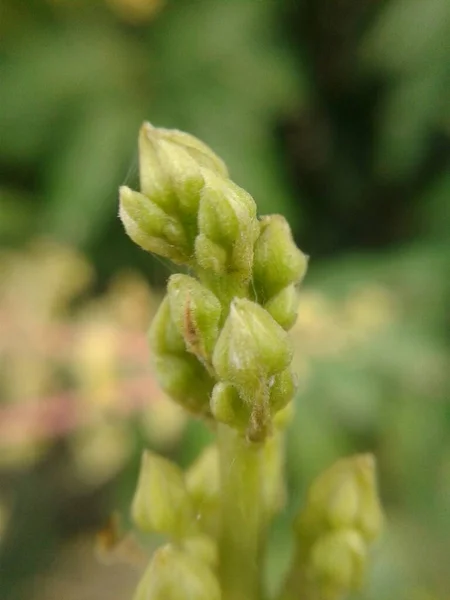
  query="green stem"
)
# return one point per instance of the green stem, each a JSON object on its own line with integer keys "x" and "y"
{"x": 242, "y": 516}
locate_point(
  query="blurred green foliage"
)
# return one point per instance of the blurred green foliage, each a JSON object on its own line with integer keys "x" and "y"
{"x": 335, "y": 114}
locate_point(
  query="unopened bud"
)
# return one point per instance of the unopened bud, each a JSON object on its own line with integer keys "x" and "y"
{"x": 338, "y": 560}
{"x": 284, "y": 306}
{"x": 209, "y": 255}
{"x": 161, "y": 503}
{"x": 164, "y": 337}
{"x": 196, "y": 313}
{"x": 228, "y": 407}
{"x": 278, "y": 262}
{"x": 174, "y": 574}
{"x": 186, "y": 381}
{"x": 170, "y": 164}
{"x": 282, "y": 390}
{"x": 199, "y": 151}
{"x": 344, "y": 496}
{"x": 251, "y": 348}
{"x": 227, "y": 216}
{"x": 151, "y": 228}
{"x": 203, "y": 484}
{"x": 204, "y": 548}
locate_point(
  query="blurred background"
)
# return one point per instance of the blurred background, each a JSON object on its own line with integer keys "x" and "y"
{"x": 335, "y": 113}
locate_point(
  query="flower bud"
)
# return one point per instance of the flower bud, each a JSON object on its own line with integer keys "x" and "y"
{"x": 227, "y": 216}
{"x": 344, "y": 496}
{"x": 170, "y": 169}
{"x": 199, "y": 151}
{"x": 161, "y": 503}
{"x": 209, "y": 255}
{"x": 203, "y": 484}
{"x": 284, "y": 417}
{"x": 163, "y": 335}
{"x": 174, "y": 574}
{"x": 196, "y": 313}
{"x": 186, "y": 381}
{"x": 151, "y": 228}
{"x": 284, "y": 307}
{"x": 228, "y": 407}
{"x": 251, "y": 348}
{"x": 204, "y": 548}
{"x": 338, "y": 560}
{"x": 277, "y": 261}
{"x": 282, "y": 390}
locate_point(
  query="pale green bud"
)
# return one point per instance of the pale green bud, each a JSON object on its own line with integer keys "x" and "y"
{"x": 209, "y": 255}
{"x": 282, "y": 390}
{"x": 199, "y": 151}
{"x": 186, "y": 381}
{"x": 228, "y": 407}
{"x": 174, "y": 574}
{"x": 161, "y": 503}
{"x": 196, "y": 313}
{"x": 344, "y": 496}
{"x": 170, "y": 164}
{"x": 204, "y": 548}
{"x": 164, "y": 337}
{"x": 284, "y": 306}
{"x": 151, "y": 228}
{"x": 338, "y": 560}
{"x": 227, "y": 216}
{"x": 277, "y": 261}
{"x": 251, "y": 348}
{"x": 284, "y": 417}
{"x": 153, "y": 173}
{"x": 203, "y": 484}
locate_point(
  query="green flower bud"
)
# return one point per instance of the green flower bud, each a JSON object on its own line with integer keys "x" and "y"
{"x": 277, "y": 261}
{"x": 284, "y": 306}
{"x": 164, "y": 337}
{"x": 251, "y": 348}
{"x": 161, "y": 503}
{"x": 196, "y": 313}
{"x": 338, "y": 560}
{"x": 227, "y": 216}
{"x": 186, "y": 381}
{"x": 228, "y": 407}
{"x": 203, "y": 484}
{"x": 199, "y": 151}
{"x": 204, "y": 548}
{"x": 344, "y": 496}
{"x": 209, "y": 255}
{"x": 153, "y": 172}
{"x": 282, "y": 390}
{"x": 284, "y": 417}
{"x": 174, "y": 574}
{"x": 170, "y": 165}
{"x": 151, "y": 228}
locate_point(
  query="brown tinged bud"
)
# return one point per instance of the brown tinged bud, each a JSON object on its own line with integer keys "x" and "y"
{"x": 196, "y": 313}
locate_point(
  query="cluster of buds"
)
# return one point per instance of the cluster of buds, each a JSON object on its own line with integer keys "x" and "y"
{"x": 342, "y": 517}
{"x": 220, "y": 337}
{"x": 222, "y": 351}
